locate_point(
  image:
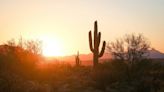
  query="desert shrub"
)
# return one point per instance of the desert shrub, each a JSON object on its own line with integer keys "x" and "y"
{"x": 109, "y": 72}
{"x": 119, "y": 76}
{"x": 139, "y": 69}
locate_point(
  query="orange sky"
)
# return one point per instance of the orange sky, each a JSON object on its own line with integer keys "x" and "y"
{"x": 67, "y": 23}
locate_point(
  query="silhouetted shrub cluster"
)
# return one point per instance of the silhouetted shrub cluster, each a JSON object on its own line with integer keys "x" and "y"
{"x": 22, "y": 71}
{"x": 115, "y": 76}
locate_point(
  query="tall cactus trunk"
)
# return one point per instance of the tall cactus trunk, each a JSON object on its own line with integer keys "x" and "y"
{"x": 95, "y": 59}
{"x": 95, "y": 47}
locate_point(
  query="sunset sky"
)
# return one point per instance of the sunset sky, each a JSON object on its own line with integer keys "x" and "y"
{"x": 64, "y": 24}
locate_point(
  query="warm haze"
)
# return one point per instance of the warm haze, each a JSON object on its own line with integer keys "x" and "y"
{"x": 81, "y": 46}
{"x": 63, "y": 25}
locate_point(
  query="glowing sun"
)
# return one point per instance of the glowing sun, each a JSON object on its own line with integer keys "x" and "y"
{"x": 52, "y": 47}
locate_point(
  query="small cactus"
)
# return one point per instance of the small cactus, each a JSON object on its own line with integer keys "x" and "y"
{"x": 77, "y": 59}
{"x": 95, "y": 47}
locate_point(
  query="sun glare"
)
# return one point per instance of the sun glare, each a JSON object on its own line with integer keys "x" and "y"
{"x": 52, "y": 47}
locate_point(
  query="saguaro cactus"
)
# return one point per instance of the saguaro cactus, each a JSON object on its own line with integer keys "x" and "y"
{"x": 77, "y": 59}
{"x": 95, "y": 47}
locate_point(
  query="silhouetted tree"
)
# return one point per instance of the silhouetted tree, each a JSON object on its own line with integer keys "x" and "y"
{"x": 19, "y": 59}
{"x": 95, "y": 46}
{"x": 130, "y": 48}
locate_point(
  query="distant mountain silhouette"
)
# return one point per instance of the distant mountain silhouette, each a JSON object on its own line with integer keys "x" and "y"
{"x": 155, "y": 54}
{"x": 83, "y": 57}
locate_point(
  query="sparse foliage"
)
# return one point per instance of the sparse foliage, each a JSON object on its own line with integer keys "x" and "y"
{"x": 11, "y": 42}
{"x": 34, "y": 46}
{"x": 19, "y": 57}
{"x": 130, "y": 48}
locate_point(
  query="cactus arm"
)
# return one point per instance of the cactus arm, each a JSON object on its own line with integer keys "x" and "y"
{"x": 103, "y": 49}
{"x": 90, "y": 41}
